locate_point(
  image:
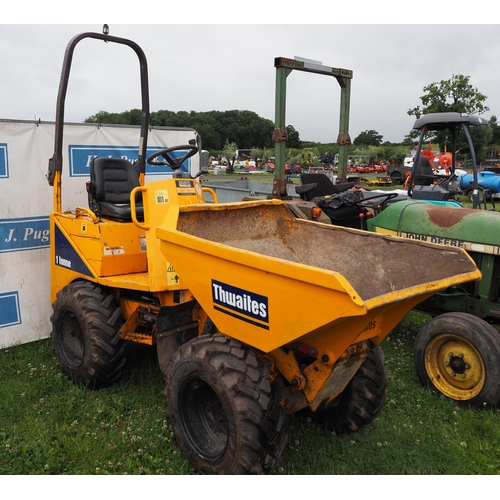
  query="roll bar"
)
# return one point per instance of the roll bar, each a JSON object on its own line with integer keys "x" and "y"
{"x": 55, "y": 163}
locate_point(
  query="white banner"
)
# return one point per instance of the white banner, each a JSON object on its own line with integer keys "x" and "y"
{"x": 27, "y": 200}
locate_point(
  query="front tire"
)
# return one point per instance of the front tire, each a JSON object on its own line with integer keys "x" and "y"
{"x": 458, "y": 355}
{"x": 223, "y": 407}
{"x": 85, "y": 331}
{"x": 361, "y": 401}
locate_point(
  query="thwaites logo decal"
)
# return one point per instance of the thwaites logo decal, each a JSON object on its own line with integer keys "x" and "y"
{"x": 241, "y": 304}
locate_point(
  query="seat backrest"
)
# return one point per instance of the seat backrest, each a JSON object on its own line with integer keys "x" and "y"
{"x": 318, "y": 185}
{"x": 112, "y": 180}
{"x": 324, "y": 186}
{"x": 423, "y": 172}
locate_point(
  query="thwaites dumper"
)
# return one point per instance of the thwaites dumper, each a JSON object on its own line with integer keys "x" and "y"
{"x": 458, "y": 352}
{"x": 210, "y": 285}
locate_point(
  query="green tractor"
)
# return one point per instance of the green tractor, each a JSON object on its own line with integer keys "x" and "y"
{"x": 457, "y": 353}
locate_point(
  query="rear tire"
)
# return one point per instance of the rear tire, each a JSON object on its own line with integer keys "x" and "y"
{"x": 458, "y": 355}
{"x": 223, "y": 407}
{"x": 480, "y": 193}
{"x": 361, "y": 401}
{"x": 397, "y": 178}
{"x": 85, "y": 331}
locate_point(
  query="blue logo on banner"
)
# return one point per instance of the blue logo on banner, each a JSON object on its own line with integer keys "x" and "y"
{"x": 80, "y": 157}
{"x": 27, "y": 233}
{"x": 4, "y": 160}
{"x": 10, "y": 312}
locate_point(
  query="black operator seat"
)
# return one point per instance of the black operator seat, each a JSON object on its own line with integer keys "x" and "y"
{"x": 111, "y": 182}
{"x": 316, "y": 185}
{"x": 423, "y": 172}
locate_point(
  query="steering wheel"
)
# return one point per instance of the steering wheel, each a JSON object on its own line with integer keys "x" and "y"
{"x": 386, "y": 197}
{"x": 174, "y": 163}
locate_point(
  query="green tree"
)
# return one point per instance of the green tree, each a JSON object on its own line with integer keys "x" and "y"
{"x": 495, "y": 130}
{"x": 256, "y": 154}
{"x": 245, "y": 128}
{"x": 162, "y": 118}
{"x": 293, "y": 137}
{"x": 368, "y": 138}
{"x": 456, "y": 94}
{"x": 230, "y": 151}
{"x": 107, "y": 118}
{"x": 133, "y": 117}
{"x": 210, "y": 137}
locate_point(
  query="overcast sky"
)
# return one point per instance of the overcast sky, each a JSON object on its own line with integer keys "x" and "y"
{"x": 211, "y": 66}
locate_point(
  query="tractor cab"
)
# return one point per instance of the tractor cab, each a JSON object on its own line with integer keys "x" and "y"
{"x": 424, "y": 183}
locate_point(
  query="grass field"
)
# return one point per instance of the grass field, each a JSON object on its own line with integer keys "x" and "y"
{"x": 48, "y": 426}
{"x": 51, "y": 427}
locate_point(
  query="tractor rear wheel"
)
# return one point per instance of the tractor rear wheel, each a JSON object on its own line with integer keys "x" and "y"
{"x": 458, "y": 355}
{"x": 397, "y": 178}
{"x": 480, "y": 194}
{"x": 85, "y": 331}
{"x": 361, "y": 401}
{"x": 223, "y": 407}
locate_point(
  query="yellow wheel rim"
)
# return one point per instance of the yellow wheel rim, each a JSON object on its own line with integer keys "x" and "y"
{"x": 455, "y": 366}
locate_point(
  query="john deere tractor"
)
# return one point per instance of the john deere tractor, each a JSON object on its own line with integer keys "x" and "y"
{"x": 458, "y": 352}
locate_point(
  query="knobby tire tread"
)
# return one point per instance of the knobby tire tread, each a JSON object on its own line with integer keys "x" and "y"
{"x": 99, "y": 319}
{"x": 257, "y": 439}
{"x": 362, "y": 399}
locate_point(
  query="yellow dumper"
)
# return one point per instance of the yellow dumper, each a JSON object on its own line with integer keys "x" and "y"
{"x": 254, "y": 313}
{"x": 297, "y": 324}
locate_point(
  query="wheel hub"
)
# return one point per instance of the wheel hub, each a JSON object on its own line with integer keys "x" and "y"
{"x": 455, "y": 367}
{"x": 457, "y": 364}
{"x": 205, "y": 424}
{"x": 72, "y": 338}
